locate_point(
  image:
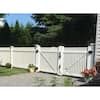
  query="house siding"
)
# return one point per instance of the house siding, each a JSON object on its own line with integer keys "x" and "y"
{"x": 97, "y": 46}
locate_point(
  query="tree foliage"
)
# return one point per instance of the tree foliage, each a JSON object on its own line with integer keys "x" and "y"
{"x": 5, "y": 35}
{"x": 21, "y": 35}
{"x": 52, "y": 24}
{"x": 66, "y": 29}
{"x": 51, "y": 30}
{"x": 2, "y": 15}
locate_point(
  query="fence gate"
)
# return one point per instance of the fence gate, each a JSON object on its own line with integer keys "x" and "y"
{"x": 75, "y": 60}
{"x": 48, "y": 60}
{"x": 64, "y": 61}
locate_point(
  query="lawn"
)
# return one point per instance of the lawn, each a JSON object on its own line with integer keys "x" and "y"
{"x": 4, "y": 71}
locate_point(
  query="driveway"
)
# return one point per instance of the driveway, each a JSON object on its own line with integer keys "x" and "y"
{"x": 36, "y": 79}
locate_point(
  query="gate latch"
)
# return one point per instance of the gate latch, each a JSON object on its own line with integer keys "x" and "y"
{"x": 90, "y": 52}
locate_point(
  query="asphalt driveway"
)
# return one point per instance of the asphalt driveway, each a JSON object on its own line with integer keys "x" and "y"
{"x": 36, "y": 79}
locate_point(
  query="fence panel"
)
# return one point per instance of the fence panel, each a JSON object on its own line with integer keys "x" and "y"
{"x": 5, "y": 55}
{"x": 23, "y": 56}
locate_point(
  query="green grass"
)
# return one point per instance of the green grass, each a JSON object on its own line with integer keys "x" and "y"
{"x": 68, "y": 82}
{"x": 4, "y": 71}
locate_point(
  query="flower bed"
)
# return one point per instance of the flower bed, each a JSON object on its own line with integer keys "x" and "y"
{"x": 89, "y": 73}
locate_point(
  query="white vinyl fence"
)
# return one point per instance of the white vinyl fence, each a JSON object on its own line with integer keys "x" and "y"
{"x": 17, "y": 56}
{"x": 59, "y": 60}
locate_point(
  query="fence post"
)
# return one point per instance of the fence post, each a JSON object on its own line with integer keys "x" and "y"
{"x": 11, "y": 56}
{"x": 60, "y": 59}
{"x": 90, "y": 56}
{"x": 37, "y": 56}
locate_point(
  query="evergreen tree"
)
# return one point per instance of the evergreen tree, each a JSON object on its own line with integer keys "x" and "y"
{"x": 25, "y": 38}
{"x": 21, "y": 35}
{"x": 52, "y": 24}
{"x": 66, "y": 29}
{"x": 5, "y": 34}
{"x": 2, "y": 15}
{"x": 15, "y": 31}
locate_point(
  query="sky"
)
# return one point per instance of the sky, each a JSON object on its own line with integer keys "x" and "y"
{"x": 22, "y": 18}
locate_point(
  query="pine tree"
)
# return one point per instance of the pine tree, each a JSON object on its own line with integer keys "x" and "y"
{"x": 66, "y": 29}
{"x": 5, "y": 34}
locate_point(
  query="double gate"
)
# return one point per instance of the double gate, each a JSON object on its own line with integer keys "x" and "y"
{"x": 65, "y": 61}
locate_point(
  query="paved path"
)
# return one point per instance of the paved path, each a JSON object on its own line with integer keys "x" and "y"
{"x": 35, "y": 79}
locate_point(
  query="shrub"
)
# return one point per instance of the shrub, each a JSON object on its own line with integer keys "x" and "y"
{"x": 8, "y": 65}
{"x": 32, "y": 66}
{"x": 89, "y": 72}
